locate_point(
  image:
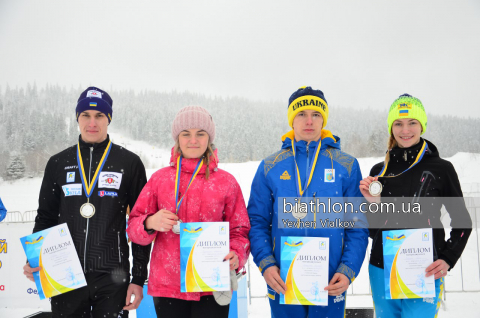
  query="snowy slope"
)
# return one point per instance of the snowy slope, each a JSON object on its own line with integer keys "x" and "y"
{"x": 22, "y": 195}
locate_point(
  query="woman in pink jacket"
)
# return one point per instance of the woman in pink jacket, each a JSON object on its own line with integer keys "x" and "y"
{"x": 211, "y": 195}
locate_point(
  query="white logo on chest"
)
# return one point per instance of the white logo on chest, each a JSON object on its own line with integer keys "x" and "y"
{"x": 329, "y": 175}
{"x": 110, "y": 180}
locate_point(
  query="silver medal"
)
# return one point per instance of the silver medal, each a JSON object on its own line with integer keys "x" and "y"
{"x": 299, "y": 214}
{"x": 176, "y": 227}
{"x": 87, "y": 210}
{"x": 375, "y": 188}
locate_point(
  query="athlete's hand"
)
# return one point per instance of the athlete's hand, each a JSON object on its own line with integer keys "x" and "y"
{"x": 162, "y": 221}
{"x": 137, "y": 291}
{"x": 338, "y": 284}
{"x": 273, "y": 279}
{"x": 233, "y": 260}
{"x": 364, "y": 184}
{"x": 28, "y": 271}
{"x": 439, "y": 268}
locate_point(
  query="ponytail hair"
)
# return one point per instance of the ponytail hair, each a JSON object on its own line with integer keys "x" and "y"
{"x": 391, "y": 144}
{"x": 207, "y": 156}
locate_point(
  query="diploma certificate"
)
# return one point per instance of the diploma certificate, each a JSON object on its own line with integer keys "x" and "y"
{"x": 203, "y": 247}
{"x": 304, "y": 269}
{"x": 406, "y": 255}
{"x": 54, "y": 251}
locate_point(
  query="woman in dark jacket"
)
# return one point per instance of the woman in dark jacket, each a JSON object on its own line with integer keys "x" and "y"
{"x": 413, "y": 172}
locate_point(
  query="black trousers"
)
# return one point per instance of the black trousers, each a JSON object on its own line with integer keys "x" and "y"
{"x": 205, "y": 308}
{"x": 104, "y": 296}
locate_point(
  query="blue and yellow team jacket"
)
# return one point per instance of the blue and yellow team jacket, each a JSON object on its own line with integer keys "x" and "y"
{"x": 275, "y": 178}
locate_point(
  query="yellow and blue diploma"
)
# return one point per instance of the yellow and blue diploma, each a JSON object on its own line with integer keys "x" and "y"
{"x": 304, "y": 269}
{"x": 53, "y": 249}
{"x": 203, "y": 247}
{"x": 406, "y": 255}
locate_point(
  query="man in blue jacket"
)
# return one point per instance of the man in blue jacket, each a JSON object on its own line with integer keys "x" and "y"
{"x": 310, "y": 164}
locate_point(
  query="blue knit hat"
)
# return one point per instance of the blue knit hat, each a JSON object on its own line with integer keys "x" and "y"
{"x": 307, "y": 98}
{"x": 94, "y": 98}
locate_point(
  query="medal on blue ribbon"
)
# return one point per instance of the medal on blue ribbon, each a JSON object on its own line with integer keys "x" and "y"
{"x": 176, "y": 227}
{"x": 376, "y": 187}
{"x": 298, "y": 179}
{"x": 87, "y": 210}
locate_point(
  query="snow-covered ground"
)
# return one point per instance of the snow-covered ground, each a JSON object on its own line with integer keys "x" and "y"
{"x": 462, "y": 284}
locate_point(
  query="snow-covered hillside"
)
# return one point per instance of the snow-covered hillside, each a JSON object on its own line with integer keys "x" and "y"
{"x": 22, "y": 195}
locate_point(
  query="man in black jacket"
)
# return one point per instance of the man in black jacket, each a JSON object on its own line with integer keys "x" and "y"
{"x": 89, "y": 186}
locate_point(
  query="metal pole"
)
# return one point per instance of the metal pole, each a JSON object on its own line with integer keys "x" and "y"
{"x": 248, "y": 283}
{"x": 461, "y": 271}
{"x": 476, "y": 231}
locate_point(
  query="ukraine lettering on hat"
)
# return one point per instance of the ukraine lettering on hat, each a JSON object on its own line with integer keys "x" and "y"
{"x": 307, "y": 98}
{"x": 309, "y": 101}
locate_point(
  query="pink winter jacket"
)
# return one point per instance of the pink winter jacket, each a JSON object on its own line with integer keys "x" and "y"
{"x": 217, "y": 199}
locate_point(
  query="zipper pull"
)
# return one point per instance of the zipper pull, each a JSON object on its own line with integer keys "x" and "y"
{"x": 405, "y": 155}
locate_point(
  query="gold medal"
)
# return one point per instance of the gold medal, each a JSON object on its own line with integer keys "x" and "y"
{"x": 87, "y": 210}
{"x": 375, "y": 188}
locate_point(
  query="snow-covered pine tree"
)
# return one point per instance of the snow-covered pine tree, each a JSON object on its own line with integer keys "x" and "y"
{"x": 16, "y": 168}
{"x": 377, "y": 142}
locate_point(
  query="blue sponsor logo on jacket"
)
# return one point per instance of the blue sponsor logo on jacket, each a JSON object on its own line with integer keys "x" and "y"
{"x": 103, "y": 193}
{"x": 72, "y": 189}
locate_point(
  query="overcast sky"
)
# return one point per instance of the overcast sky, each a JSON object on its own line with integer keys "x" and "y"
{"x": 362, "y": 54}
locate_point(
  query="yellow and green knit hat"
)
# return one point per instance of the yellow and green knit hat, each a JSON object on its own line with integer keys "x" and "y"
{"x": 407, "y": 106}
{"x": 307, "y": 98}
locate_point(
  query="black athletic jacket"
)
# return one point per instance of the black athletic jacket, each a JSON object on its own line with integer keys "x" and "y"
{"x": 432, "y": 178}
{"x": 100, "y": 241}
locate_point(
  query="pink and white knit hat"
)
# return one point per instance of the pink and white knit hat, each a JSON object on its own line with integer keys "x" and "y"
{"x": 193, "y": 117}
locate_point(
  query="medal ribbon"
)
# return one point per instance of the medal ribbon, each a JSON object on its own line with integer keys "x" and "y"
{"x": 89, "y": 187}
{"x": 177, "y": 181}
{"x": 298, "y": 180}
{"x": 420, "y": 155}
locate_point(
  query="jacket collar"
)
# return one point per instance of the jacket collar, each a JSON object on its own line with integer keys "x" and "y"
{"x": 326, "y": 137}
{"x": 409, "y": 154}
{"x": 102, "y": 145}
{"x": 189, "y": 165}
